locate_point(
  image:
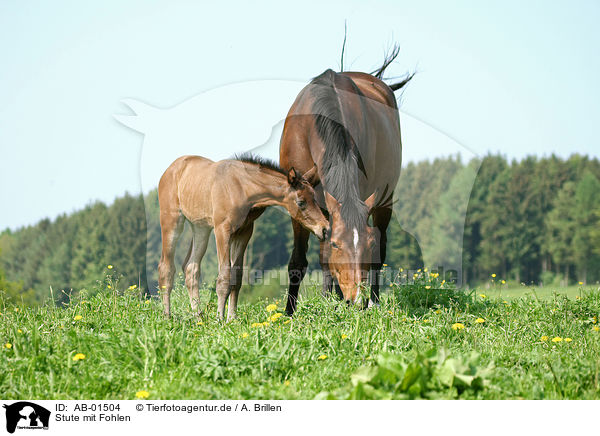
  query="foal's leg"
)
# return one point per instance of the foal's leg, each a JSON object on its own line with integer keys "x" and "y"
{"x": 381, "y": 220}
{"x": 192, "y": 267}
{"x": 171, "y": 226}
{"x": 238, "y": 247}
{"x": 223, "y": 239}
{"x": 297, "y": 265}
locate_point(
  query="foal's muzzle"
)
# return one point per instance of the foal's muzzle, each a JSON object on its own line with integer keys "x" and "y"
{"x": 324, "y": 233}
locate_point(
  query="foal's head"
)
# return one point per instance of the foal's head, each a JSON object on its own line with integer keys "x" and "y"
{"x": 300, "y": 202}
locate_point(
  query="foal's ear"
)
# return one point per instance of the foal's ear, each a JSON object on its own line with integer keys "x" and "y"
{"x": 312, "y": 176}
{"x": 293, "y": 178}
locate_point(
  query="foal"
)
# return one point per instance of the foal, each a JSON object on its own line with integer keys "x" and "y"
{"x": 226, "y": 196}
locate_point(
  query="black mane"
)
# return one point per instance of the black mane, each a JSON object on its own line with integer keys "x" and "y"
{"x": 342, "y": 162}
{"x": 260, "y": 161}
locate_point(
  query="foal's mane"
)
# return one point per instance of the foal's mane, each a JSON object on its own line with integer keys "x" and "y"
{"x": 341, "y": 160}
{"x": 260, "y": 161}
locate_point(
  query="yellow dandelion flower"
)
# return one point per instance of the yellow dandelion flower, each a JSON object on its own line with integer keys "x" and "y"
{"x": 544, "y": 338}
{"x": 438, "y": 311}
{"x": 425, "y": 321}
{"x": 390, "y": 312}
{"x": 78, "y": 317}
{"x": 503, "y": 282}
{"x": 568, "y": 339}
{"x": 19, "y": 331}
{"x": 256, "y": 324}
{"x": 16, "y": 309}
{"x": 286, "y": 383}
{"x": 428, "y": 287}
{"x": 557, "y": 339}
{"x": 401, "y": 269}
{"x": 458, "y": 326}
{"x": 482, "y": 295}
{"x": 494, "y": 275}
{"x": 199, "y": 323}
{"x": 425, "y": 269}
{"x": 344, "y": 336}
{"x": 110, "y": 267}
{"x": 480, "y": 320}
{"x": 443, "y": 281}
{"x": 419, "y": 270}
{"x": 109, "y": 287}
{"x": 581, "y": 283}
{"x": 287, "y": 321}
{"x": 275, "y": 317}
{"x": 322, "y": 357}
{"x": 385, "y": 264}
{"x": 244, "y": 335}
{"x": 8, "y": 345}
{"x": 142, "y": 394}
{"x": 147, "y": 301}
{"x": 78, "y": 356}
{"x": 596, "y": 328}
{"x": 505, "y": 302}
{"x": 271, "y": 307}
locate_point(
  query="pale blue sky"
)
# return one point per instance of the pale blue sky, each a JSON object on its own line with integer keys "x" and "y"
{"x": 512, "y": 77}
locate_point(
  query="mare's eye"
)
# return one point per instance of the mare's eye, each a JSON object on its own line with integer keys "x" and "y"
{"x": 301, "y": 204}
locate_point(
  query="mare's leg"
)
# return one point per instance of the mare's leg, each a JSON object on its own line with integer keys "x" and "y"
{"x": 297, "y": 265}
{"x": 327, "y": 278}
{"x": 191, "y": 266}
{"x": 381, "y": 219}
{"x": 238, "y": 247}
{"x": 223, "y": 238}
{"x": 171, "y": 226}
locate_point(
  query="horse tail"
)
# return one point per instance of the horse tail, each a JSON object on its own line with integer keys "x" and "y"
{"x": 389, "y": 58}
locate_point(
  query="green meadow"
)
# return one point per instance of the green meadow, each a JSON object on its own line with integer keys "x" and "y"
{"x": 425, "y": 340}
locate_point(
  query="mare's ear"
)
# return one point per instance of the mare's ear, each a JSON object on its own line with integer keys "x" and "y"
{"x": 312, "y": 176}
{"x": 333, "y": 206}
{"x": 293, "y": 178}
{"x": 370, "y": 202}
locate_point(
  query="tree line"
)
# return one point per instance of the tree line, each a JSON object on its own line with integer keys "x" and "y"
{"x": 536, "y": 220}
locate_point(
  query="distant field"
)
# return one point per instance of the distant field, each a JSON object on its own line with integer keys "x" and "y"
{"x": 422, "y": 342}
{"x": 544, "y": 292}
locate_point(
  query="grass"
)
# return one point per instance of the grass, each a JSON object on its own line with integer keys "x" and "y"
{"x": 422, "y": 342}
{"x": 541, "y": 292}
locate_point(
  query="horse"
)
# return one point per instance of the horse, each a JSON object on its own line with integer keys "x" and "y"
{"x": 347, "y": 125}
{"x": 227, "y": 196}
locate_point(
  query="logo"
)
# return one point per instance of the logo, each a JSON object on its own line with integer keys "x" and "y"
{"x": 26, "y": 415}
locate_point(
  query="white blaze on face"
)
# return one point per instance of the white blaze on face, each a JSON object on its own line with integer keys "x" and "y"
{"x": 355, "y": 238}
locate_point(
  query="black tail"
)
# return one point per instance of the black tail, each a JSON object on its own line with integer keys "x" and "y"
{"x": 387, "y": 61}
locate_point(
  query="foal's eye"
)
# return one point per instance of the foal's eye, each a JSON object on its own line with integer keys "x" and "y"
{"x": 301, "y": 203}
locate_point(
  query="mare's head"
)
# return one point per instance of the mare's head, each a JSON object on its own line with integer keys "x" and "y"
{"x": 350, "y": 250}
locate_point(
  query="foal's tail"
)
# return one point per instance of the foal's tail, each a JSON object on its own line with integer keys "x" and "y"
{"x": 387, "y": 61}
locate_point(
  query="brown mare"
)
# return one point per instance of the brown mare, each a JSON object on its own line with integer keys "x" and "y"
{"x": 347, "y": 124}
{"x": 226, "y": 196}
